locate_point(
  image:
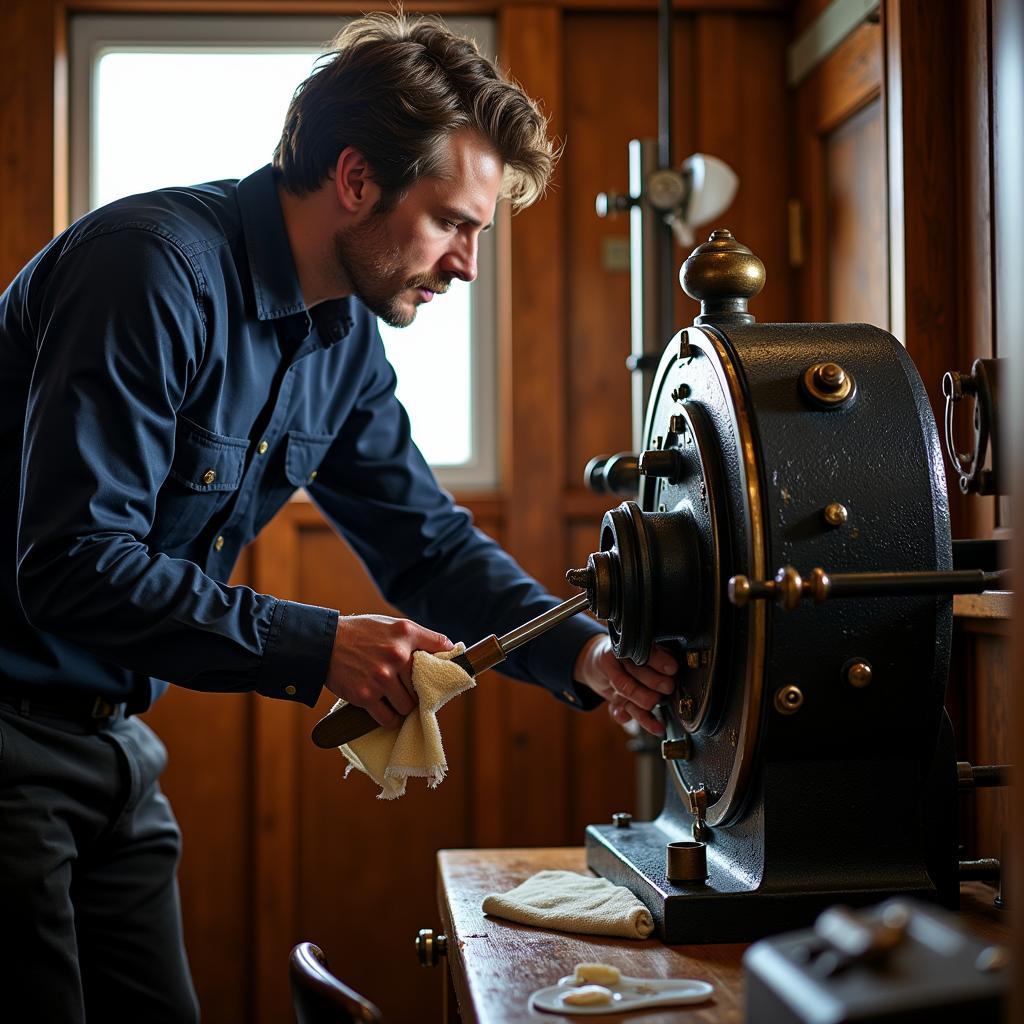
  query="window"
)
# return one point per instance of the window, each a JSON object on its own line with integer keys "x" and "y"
{"x": 164, "y": 100}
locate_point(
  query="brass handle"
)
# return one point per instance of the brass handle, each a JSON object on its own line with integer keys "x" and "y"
{"x": 430, "y": 947}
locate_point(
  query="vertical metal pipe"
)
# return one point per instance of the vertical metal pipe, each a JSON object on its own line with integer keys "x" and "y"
{"x": 666, "y": 248}
{"x": 665, "y": 83}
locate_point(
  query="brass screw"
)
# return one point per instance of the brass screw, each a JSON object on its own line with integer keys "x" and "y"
{"x": 685, "y": 707}
{"x": 836, "y": 514}
{"x": 788, "y": 699}
{"x": 622, "y": 819}
{"x": 859, "y": 674}
{"x": 692, "y": 659}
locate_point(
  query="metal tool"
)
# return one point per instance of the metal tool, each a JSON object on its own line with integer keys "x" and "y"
{"x": 349, "y": 722}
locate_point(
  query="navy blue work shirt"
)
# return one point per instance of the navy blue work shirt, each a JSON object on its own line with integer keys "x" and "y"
{"x": 163, "y": 392}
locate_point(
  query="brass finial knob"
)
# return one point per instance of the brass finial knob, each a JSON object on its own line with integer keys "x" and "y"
{"x": 722, "y": 274}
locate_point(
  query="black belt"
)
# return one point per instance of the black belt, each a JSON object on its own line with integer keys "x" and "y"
{"x": 75, "y": 707}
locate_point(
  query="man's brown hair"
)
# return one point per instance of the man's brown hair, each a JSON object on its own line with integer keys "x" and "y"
{"x": 394, "y": 87}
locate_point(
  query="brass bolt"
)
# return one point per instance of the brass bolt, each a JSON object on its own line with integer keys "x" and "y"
{"x": 622, "y": 819}
{"x": 677, "y": 750}
{"x": 677, "y": 424}
{"x": 788, "y": 699}
{"x": 830, "y": 376}
{"x": 692, "y": 659}
{"x": 681, "y": 392}
{"x": 685, "y": 707}
{"x": 828, "y": 384}
{"x": 836, "y": 514}
{"x": 859, "y": 674}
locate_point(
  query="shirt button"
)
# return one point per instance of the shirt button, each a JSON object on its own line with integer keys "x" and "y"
{"x": 290, "y": 690}
{"x": 219, "y": 542}
{"x": 571, "y": 698}
{"x": 262, "y": 448}
{"x": 209, "y": 476}
{"x": 312, "y": 476}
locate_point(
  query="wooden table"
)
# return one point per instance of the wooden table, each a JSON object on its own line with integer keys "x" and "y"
{"x": 494, "y": 964}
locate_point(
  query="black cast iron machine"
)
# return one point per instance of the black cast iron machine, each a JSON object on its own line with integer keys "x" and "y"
{"x": 790, "y": 542}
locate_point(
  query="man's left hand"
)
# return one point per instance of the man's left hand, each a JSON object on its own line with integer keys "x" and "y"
{"x": 632, "y": 690}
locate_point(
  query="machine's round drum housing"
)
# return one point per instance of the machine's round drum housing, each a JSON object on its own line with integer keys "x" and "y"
{"x": 748, "y": 460}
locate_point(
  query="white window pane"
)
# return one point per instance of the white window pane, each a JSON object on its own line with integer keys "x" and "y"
{"x": 433, "y": 361}
{"x": 184, "y": 118}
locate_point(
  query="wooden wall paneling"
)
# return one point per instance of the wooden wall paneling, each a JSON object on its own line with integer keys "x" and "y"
{"x": 857, "y": 258}
{"x": 974, "y": 250}
{"x": 607, "y": 103}
{"x": 737, "y": 75}
{"x": 365, "y": 871}
{"x": 26, "y": 120}
{"x": 804, "y": 12}
{"x": 920, "y": 104}
{"x": 533, "y": 797}
{"x": 461, "y": 7}
{"x": 275, "y": 787}
{"x": 849, "y": 80}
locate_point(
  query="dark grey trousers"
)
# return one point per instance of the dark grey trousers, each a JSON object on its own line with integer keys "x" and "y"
{"x": 90, "y": 922}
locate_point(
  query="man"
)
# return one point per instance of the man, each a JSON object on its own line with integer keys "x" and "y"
{"x": 174, "y": 366}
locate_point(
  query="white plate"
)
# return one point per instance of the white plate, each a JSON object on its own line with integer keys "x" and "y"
{"x": 629, "y": 994}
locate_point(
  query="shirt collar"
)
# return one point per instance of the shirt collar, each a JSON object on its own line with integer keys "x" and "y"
{"x": 274, "y": 280}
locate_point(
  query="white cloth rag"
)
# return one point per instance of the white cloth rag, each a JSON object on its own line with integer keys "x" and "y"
{"x": 569, "y": 902}
{"x": 390, "y": 756}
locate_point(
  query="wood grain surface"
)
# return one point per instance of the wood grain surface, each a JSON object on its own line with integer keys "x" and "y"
{"x": 496, "y": 964}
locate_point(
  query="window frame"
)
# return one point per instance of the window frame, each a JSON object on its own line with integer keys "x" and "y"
{"x": 92, "y": 35}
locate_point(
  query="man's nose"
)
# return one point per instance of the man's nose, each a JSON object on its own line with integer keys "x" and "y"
{"x": 460, "y": 260}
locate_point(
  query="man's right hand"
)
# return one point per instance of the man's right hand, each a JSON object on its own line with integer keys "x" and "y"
{"x": 371, "y": 665}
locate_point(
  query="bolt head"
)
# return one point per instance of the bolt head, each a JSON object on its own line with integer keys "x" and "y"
{"x": 836, "y": 514}
{"x": 859, "y": 674}
{"x": 830, "y": 376}
{"x": 788, "y": 699}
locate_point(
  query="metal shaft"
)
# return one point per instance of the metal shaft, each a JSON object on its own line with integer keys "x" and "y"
{"x": 542, "y": 623}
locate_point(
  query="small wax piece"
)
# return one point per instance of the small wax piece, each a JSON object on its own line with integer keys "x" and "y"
{"x": 597, "y": 974}
{"x": 588, "y": 995}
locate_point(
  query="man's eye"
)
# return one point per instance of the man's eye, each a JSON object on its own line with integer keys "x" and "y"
{"x": 450, "y": 224}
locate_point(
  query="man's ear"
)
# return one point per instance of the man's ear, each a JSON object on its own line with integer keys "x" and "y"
{"x": 356, "y": 190}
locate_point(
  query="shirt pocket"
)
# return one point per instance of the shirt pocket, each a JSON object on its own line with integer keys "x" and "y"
{"x": 206, "y": 470}
{"x": 303, "y": 455}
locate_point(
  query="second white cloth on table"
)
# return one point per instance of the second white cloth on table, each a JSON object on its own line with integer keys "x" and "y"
{"x": 391, "y": 756}
{"x": 569, "y": 902}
